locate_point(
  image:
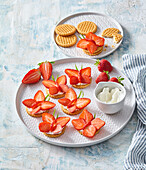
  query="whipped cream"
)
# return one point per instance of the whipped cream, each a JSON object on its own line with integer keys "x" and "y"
{"x": 110, "y": 96}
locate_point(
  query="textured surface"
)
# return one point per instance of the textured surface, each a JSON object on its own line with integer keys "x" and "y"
{"x": 26, "y": 38}
{"x": 102, "y": 22}
{"x": 71, "y": 137}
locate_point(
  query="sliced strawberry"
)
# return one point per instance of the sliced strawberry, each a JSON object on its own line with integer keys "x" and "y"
{"x": 72, "y": 108}
{"x": 82, "y": 102}
{"x": 61, "y": 80}
{"x": 86, "y": 115}
{"x": 63, "y": 88}
{"x": 33, "y": 76}
{"x": 86, "y": 71}
{"x": 39, "y": 96}
{"x": 98, "y": 123}
{"x": 48, "y": 83}
{"x": 44, "y": 127}
{"x": 99, "y": 41}
{"x": 29, "y": 103}
{"x": 74, "y": 80}
{"x": 47, "y": 117}
{"x": 35, "y": 110}
{"x": 58, "y": 129}
{"x": 64, "y": 101}
{"x": 53, "y": 126}
{"x": 72, "y": 103}
{"x": 85, "y": 79}
{"x": 71, "y": 94}
{"x": 72, "y": 72}
{"x": 46, "y": 70}
{"x": 79, "y": 124}
{"x": 91, "y": 47}
{"x": 102, "y": 77}
{"x": 47, "y": 105}
{"x": 82, "y": 43}
{"x": 53, "y": 90}
{"x": 89, "y": 131}
{"x": 62, "y": 120}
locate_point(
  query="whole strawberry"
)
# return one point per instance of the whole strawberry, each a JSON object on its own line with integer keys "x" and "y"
{"x": 117, "y": 80}
{"x": 103, "y": 65}
{"x": 102, "y": 77}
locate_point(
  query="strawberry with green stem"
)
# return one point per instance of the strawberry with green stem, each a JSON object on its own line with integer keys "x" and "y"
{"x": 87, "y": 125}
{"x": 103, "y": 65}
{"x": 102, "y": 77}
{"x": 117, "y": 80}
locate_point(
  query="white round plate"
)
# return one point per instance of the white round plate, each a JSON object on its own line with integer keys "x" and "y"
{"x": 71, "y": 137}
{"x": 102, "y": 22}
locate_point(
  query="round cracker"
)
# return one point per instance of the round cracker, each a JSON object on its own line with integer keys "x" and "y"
{"x": 95, "y": 53}
{"x": 37, "y": 115}
{"x": 67, "y": 112}
{"x": 86, "y": 27}
{"x": 55, "y": 135}
{"x": 65, "y": 30}
{"x": 66, "y": 41}
{"x": 109, "y": 32}
{"x": 82, "y": 86}
{"x": 57, "y": 96}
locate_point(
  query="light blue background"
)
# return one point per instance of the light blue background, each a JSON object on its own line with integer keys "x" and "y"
{"x": 26, "y": 28}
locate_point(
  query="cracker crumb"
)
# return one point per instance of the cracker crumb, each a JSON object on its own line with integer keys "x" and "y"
{"x": 113, "y": 46}
{"x": 106, "y": 45}
{"x": 104, "y": 50}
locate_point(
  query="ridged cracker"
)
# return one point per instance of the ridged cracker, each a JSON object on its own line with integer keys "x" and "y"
{"x": 117, "y": 37}
{"x": 55, "y": 135}
{"x": 95, "y": 53}
{"x": 82, "y": 86}
{"x": 65, "y": 30}
{"x": 58, "y": 96}
{"x": 66, "y": 41}
{"x": 69, "y": 113}
{"x": 86, "y": 26}
{"x": 109, "y": 32}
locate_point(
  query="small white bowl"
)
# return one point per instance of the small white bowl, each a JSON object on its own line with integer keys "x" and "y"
{"x": 106, "y": 107}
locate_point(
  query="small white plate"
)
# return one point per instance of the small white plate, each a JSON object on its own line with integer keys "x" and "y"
{"x": 102, "y": 22}
{"x": 71, "y": 137}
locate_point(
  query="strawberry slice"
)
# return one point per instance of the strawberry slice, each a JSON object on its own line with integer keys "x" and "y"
{"x": 44, "y": 127}
{"x": 89, "y": 131}
{"x": 39, "y": 96}
{"x": 74, "y": 80}
{"x": 46, "y": 69}
{"x": 57, "y": 129}
{"x": 71, "y": 94}
{"x": 61, "y": 80}
{"x": 86, "y": 115}
{"x": 53, "y": 90}
{"x": 79, "y": 124}
{"x": 72, "y": 72}
{"x": 82, "y": 43}
{"x": 85, "y": 79}
{"x": 48, "y": 83}
{"x": 72, "y": 103}
{"x": 47, "y": 105}
{"x": 86, "y": 71}
{"x": 82, "y": 102}
{"x": 63, "y": 88}
{"x": 35, "y": 110}
{"x": 29, "y": 103}
{"x": 33, "y": 76}
{"x": 99, "y": 41}
{"x": 98, "y": 123}
{"x": 47, "y": 117}
{"x": 91, "y": 47}
{"x": 72, "y": 108}
{"x": 64, "y": 101}
{"x": 62, "y": 121}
